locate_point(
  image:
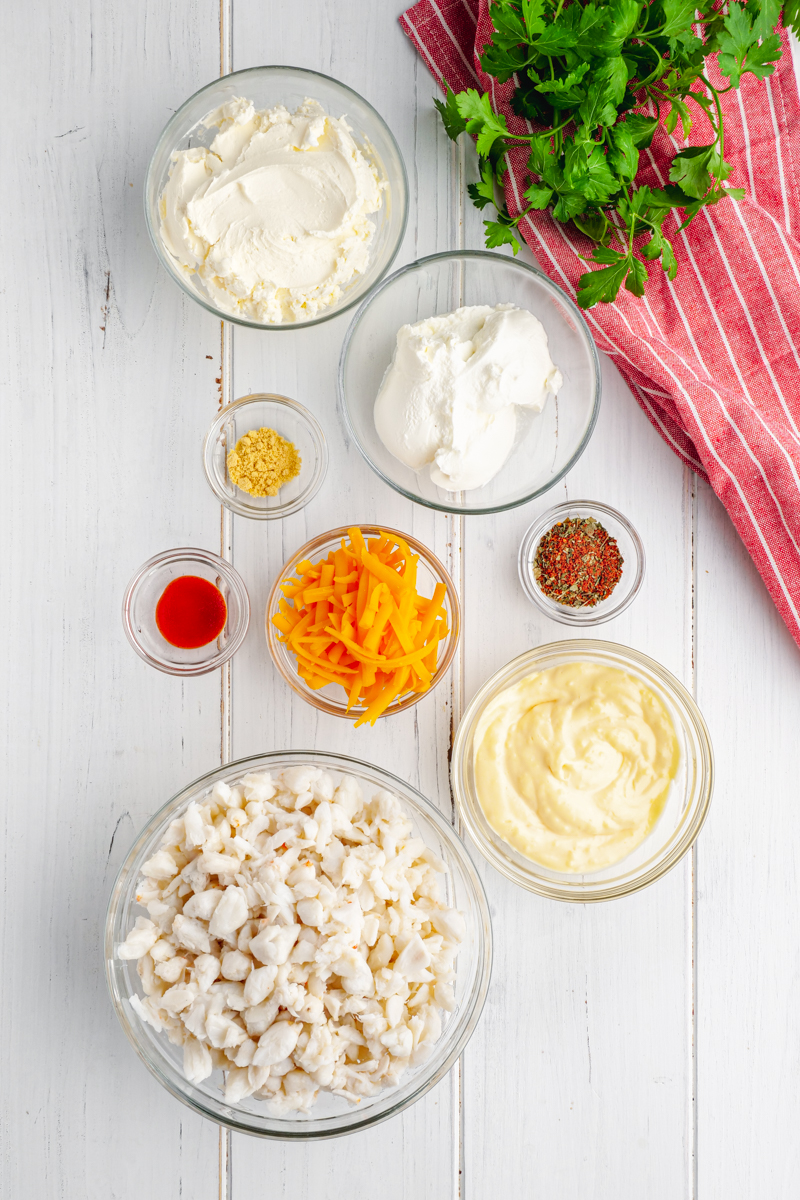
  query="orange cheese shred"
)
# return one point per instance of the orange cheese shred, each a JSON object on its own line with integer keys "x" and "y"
{"x": 356, "y": 620}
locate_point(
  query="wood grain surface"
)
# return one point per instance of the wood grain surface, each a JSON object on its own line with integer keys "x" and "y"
{"x": 646, "y": 1048}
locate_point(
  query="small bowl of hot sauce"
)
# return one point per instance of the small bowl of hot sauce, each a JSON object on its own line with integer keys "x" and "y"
{"x": 186, "y": 611}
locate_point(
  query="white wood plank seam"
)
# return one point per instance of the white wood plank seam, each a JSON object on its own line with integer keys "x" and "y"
{"x": 226, "y": 546}
{"x": 691, "y": 679}
{"x": 458, "y": 163}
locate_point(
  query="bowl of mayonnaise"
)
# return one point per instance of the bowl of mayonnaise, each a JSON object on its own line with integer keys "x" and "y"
{"x": 583, "y": 770}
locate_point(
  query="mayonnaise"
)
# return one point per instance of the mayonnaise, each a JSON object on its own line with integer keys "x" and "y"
{"x": 573, "y": 765}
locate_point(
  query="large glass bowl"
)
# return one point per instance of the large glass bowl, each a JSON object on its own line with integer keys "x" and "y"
{"x": 267, "y": 86}
{"x": 547, "y": 444}
{"x": 332, "y": 1115}
{"x": 687, "y": 802}
{"x": 331, "y": 699}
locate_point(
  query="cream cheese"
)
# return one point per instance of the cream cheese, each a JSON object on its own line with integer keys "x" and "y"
{"x": 274, "y": 216}
{"x": 449, "y": 399}
{"x": 573, "y": 765}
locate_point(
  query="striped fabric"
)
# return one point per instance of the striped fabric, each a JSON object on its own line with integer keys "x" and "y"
{"x": 711, "y": 357}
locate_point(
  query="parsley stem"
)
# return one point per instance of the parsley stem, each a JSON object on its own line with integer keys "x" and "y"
{"x": 720, "y": 126}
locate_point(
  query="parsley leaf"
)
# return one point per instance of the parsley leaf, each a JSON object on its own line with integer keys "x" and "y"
{"x": 608, "y": 88}
{"x": 668, "y": 260}
{"x": 678, "y": 16}
{"x": 766, "y": 18}
{"x": 623, "y": 156}
{"x": 678, "y": 110}
{"x": 565, "y": 92}
{"x": 482, "y": 193}
{"x": 500, "y": 235}
{"x": 690, "y": 171}
{"x": 453, "y": 122}
{"x": 562, "y": 35}
{"x": 642, "y": 129}
{"x": 637, "y": 276}
{"x": 538, "y": 195}
{"x": 594, "y": 24}
{"x": 532, "y": 16}
{"x": 481, "y": 119}
{"x": 603, "y": 285}
{"x": 740, "y": 50}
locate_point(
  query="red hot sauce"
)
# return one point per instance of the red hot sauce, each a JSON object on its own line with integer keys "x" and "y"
{"x": 191, "y": 612}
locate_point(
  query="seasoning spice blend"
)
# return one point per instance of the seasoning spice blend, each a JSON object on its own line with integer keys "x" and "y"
{"x": 262, "y": 462}
{"x": 577, "y": 563}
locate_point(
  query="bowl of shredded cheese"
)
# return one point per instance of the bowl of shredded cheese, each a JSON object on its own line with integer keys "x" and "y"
{"x": 265, "y": 456}
{"x": 363, "y": 621}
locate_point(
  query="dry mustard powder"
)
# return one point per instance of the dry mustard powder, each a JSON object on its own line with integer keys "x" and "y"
{"x": 262, "y": 461}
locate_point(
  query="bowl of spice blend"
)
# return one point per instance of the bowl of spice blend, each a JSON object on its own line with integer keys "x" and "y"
{"x": 265, "y": 456}
{"x": 581, "y": 563}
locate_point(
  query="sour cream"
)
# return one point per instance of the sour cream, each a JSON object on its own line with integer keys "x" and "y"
{"x": 273, "y": 216}
{"x": 449, "y": 399}
{"x": 573, "y": 765}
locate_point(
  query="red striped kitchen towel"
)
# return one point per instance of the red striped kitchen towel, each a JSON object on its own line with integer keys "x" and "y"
{"x": 711, "y": 357}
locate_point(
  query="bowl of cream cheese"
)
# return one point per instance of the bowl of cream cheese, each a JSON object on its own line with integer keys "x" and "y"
{"x": 469, "y": 382}
{"x": 583, "y": 770}
{"x": 276, "y": 197}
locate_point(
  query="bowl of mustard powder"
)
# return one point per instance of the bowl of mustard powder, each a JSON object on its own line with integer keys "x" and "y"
{"x": 265, "y": 456}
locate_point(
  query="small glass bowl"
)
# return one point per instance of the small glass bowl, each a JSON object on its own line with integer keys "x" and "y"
{"x": 630, "y": 547}
{"x": 268, "y": 86}
{"x": 547, "y": 444}
{"x": 144, "y": 591}
{"x": 331, "y": 1116}
{"x": 331, "y": 699}
{"x": 291, "y": 421}
{"x": 687, "y": 802}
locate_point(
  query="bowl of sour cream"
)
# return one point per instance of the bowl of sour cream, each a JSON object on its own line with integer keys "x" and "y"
{"x": 469, "y": 382}
{"x": 276, "y": 197}
{"x": 583, "y": 770}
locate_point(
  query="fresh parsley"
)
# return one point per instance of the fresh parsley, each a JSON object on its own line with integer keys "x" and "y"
{"x": 583, "y": 68}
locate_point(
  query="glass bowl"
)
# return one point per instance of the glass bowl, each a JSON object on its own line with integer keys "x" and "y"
{"x": 630, "y": 547}
{"x": 547, "y": 444}
{"x": 267, "y": 86}
{"x": 291, "y": 421}
{"x": 687, "y": 801}
{"x": 142, "y": 595}
{"x": 332, "y": 1115}
{"x": 331, "y": 699}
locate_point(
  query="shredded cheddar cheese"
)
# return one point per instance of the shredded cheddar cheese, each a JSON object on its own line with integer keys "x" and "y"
{"x": 356, "y": 619}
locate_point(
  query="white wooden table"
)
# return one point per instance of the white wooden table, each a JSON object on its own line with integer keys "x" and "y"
{"x": 646, "y": 1048}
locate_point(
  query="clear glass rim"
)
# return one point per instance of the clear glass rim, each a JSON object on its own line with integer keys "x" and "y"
{"x": 232, "y": 578}
{"x": 559, "y": 612}
{"x": 472, "y": 1005}
{"x": 334, "y": 535}
{"x": 582, "y": 892}
{"x": 317, "y": 437}
{"x": 563, "y": 298}
{"x": 164, "y": 257}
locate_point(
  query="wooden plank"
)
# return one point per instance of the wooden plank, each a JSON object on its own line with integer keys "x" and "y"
{"x": 411, "y": 1155}
{"x": 578, "y": 1080}
{"x": 108, "y": 391}
{"x": 748, "y": 1044}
